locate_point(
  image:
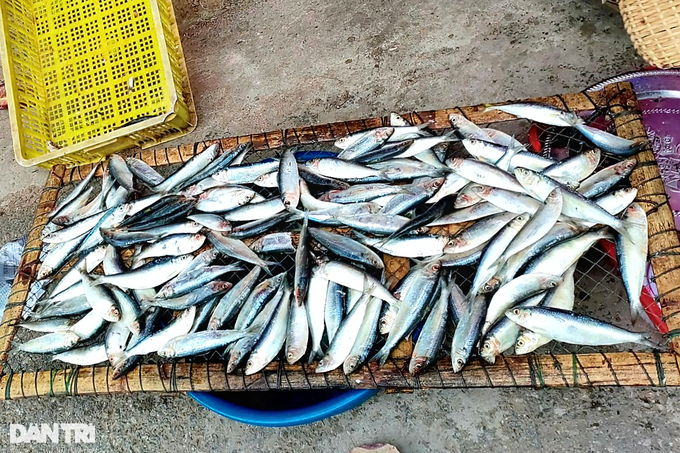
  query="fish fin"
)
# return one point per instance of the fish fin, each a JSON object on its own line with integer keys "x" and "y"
{"x": 424, "y": 125}
{"x": 638, "y": 313}
{"x": 622, "y": 229}
{"x": 313, "y": 355}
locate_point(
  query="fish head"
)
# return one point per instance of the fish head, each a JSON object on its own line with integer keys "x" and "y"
{"x": 386, "y": 322}
{"x": 592, "y": 156}
{"x": 433, "y": 267}
{"x": 554, "y": 197}
{"x": 490, "y": 349}
{"x": 313, "y": 163}
{"x": 526, "y": 343}
{"x": 417, "y": 364}
{"x": 464, "y": 200}
{"x": 570, "y": 117}
{"x": 458, "y": 359}
{"x": 342, "y": 142}
{"x": 625, "y": 167}
{"x": 113, "y": 315}
{"x": 635, "y": 213}
{"x": 220, "y": 286}
{"x": 166, "y": 351}
{"x": 351, "y": 363}
{"x": 71, "y": 339}
{"x": 481, "y": 191}
{"x": 626, "y": 192}
{"x": 553, "y": 281}
{"x": 454, "y": 163}
{"x": 526, "y": 177}
{"x": 293, "y": 354}
{"x": 44, "y": 272}
{"x": 435, "y": 183}
{"x": 254, "y": 363}
{"x": 383, "y": 133}
{"x": 197, "y": 237}
{"x": 491, "y": 285}
{"x": 517, "y": 315}
{"x": 455, "y": 244}
{"x": 519, "y": 221}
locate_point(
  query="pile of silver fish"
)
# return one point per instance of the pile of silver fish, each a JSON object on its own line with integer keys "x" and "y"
{"x": 184, "y": 265}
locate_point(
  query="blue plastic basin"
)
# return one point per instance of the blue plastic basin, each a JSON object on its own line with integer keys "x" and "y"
{"x": 277, "y": 409}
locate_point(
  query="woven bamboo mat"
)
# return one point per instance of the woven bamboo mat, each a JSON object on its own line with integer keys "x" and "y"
{"x": 599, "y": 289}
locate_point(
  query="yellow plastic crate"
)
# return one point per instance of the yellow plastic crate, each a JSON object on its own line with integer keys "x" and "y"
{"x": 89, "y": 78}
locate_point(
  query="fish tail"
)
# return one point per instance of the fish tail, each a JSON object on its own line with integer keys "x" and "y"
{"x": 622, "y": 229}
{"x": 646, "y": 340}
{"x": 382, "y": 355}
{"x": 638, "y": 313}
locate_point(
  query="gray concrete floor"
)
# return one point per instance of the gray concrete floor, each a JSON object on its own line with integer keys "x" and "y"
{"x": 259, "y": 65}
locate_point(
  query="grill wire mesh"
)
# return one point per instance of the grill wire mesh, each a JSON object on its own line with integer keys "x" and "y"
{"x": 599, "y": 290}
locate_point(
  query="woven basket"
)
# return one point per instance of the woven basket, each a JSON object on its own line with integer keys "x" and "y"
{"x": 654, "y": 27}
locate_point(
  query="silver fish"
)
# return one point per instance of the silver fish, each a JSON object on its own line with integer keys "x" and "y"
{"x": 514, "y": 292}
{"x": 262, "y": 293}
{"x": 365, "y": 337}
{"x": 483, "y": 173}
{"x": 347, "y": 247}
{"x": 274, "y": 243}
{"x": 559, "y": 258}
{"x": 474, "y": 212}
{"x": 316, "y": 308}
{"x": 48, "y": 325}
{"x": 341, "y": 169}
{"x": 232, "y": 302}
{"x": 374, "y": 223}
{"x": 150, "y": 275}
{"x": 344, "y": 338}
{"x": 608, "y": 142}
{"x": 569, "y": 327}
{"x": 409, "y": 246}
{"x": 257, "y": 328}
{"x": 504, "y": 333}
{"x": 193, "y": 166}
{"x": 212, "y": 222}
{"x": 75, "y": 193}
{"x": 334, "y": 309}
{"x": 576, "y": 168}
{"x": 221, "y": 199}
{"x": 607, "y": 178}
{"x": 297, "y": 334}
{"x": 467, "y": 332}
{"x": 88, "y": 326}
{"x": 179, "y": 244}
{"x": 289, "y": 180}
{"x": 491, "y": 258}
{"x": 538, "y": 226}
{"x": 514, "y": 202}
{"x": 302, "y": 272}
{"x": 368, "y": 142}
{"x": 562, "y": 297}
{"x": 144, "y": 172}
{"x": 271, "y": 341}
{"x": 411, "y": 306}
{"x": 468, "y": 196}
{"x": 85, "y": 356}
{"x": 246, "y": 173}
{"x": 199, "y": 342}
{"x": 155, "y": 342}
{"x": 431, "y": 335}
{"x": 256, "y": 211}
{"x": 193, "y": 280}
{"x": 112, "y": 262}
{"x": 120, "y": 172}
{"x": 632, "y": 256}
{"x": 542, "y": 113}
{"x": 50, "y": 343}
{"x": 453, "y": 183}
{"x": 479, "y": 233}
{"x": 100, "y": 299}
{"x": 355, "y": 278}
{"x": 236, "y": 249}
{"x": 130, "y": 311}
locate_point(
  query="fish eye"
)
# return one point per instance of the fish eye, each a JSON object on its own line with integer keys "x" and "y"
{"x": 520, "y": 342}
{"x": 516, "y": 311}
{"x": 553, "y": 284}
{"x": 460, "y": 362}
{"x": 486, "y": 346}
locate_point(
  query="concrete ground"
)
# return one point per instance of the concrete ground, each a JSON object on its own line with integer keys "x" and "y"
{"x": 259, "y": 65}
